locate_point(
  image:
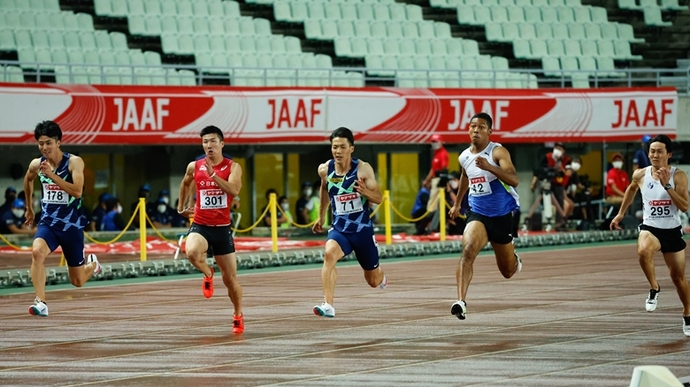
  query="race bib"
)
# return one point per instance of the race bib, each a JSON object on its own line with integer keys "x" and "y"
{"x": 212, "y": 199}
{"x": 53, "y": 194}
{"x": 348, "y": 204}
{"x": 660, "y": 208}
{"x": 479, "y": 186}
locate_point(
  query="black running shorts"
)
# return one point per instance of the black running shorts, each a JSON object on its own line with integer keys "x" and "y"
{"x": 671, "y": 239}
{"x": 498, "y": 228}
{"x": 219, "y": 239}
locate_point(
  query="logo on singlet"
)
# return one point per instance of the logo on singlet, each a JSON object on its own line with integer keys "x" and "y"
{"x": 663, "y": 202}
{"x": 650, "y": 185}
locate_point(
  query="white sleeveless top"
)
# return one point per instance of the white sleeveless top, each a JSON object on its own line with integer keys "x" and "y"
{"x": 488, "y": 195}
{"x": 659, "y": 210}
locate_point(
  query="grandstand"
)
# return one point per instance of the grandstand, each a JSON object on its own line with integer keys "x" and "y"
{"x": 347, "y": 43}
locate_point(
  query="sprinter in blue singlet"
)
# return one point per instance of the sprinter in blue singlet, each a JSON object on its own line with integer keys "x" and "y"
{"x": 349, "y": 186}
{"x": 61, "y": 176}
{"x": 489, "y": 178}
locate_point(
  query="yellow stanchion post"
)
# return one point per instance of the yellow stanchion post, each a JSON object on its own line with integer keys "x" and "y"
{"x": 142, "y": 229}
{"x": 272, "y": 202}
{"x": 442, "y": 214}
{"x": 387, "y": 216}
{"x": 63, "y": 261}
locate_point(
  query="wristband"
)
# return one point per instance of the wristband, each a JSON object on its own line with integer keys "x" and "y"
{"x": 212, "y": 175}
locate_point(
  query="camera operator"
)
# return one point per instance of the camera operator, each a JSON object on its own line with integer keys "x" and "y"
{"x": 555, "y": 164}
{"x": 574, "y": 188}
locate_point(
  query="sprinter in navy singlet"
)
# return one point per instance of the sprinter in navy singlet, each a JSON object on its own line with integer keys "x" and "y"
{"x": 61, "y": 176}
{"x": 349, "y": 186}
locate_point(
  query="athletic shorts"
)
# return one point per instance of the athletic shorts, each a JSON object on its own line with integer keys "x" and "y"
{"x": 498, "y": 228}
{"x": 219, "y": 239}
{"x": 363, "y": 243}
{"x": 71, "y": 241}
{"x": 671, "y": 239}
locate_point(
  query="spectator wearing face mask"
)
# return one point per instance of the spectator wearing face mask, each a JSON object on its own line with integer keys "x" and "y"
{"x": 284, "y": 204}
{"x": 163, "y": 215}
{"x": 573, "y": 186}
{"x": 99, "y": 212}
{"x": 439, "y": 166}
{"x": 112, "y": 220}
{"x": 554, "y": 164}
{"x": 617, "y": 181}
{"x": 10, "y": 196}
{"x": 14, "y": 222}
{"x": 302, "y": 205}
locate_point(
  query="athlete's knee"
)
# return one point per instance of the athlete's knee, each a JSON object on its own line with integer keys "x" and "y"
{"x": 77, "y": 282}
{"x": 229, "y": 280}
{"x": 37, "y": 256}
{"x": 645, "y": 251}
{"x": 330, "y": 257}
{"x": 678, "y": 278}
{"x": 371, "y": 279}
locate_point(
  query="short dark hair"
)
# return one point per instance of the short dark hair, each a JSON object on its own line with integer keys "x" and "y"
{"x": 48, "y": 128}
{"x": 211, "y": 129}
{"x": 485, "y": 117}
{"x": 343, "y": 132}
{"x": 662, "y": 138}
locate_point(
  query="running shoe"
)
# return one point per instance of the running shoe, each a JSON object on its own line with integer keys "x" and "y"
{"x": 459, "y": 309}
{"x": 652, "y": 299}
{"x": 237, "y": 324}
{"x": 324, "y": 310}
{"x": 207, "y": 285}
{"x": 686, "y": 325}
{"x": 39, "y": 308}
{"x": 519, "y": 261}
{"x": 93, "y": 258}
{"x": 383, "y": 283}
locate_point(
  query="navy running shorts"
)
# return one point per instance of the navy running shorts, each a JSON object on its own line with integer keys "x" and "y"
{"x": 219, "y": 239}
{"x": 71, "y": 241}
{"x": 498, "y": 228}
{"x": 363, "y": 243}
{"x": 671, "y": 239}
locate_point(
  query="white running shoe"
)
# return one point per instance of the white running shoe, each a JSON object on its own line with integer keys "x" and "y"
{"x": 324, "y": 310}
{"x": 686, "y": 325}
{"x": 93, "y": 258}
{"x": 519, "y": 268}
{"x": 383, "y": 283}
{"x": 459, "y": 309}
{"x": 652, "y": 299}
{"x": 39, "y": 308}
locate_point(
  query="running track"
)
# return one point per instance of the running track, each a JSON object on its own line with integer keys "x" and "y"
{"x": 572, "y": 317}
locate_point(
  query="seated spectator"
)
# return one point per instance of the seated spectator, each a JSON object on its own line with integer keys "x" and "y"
{"x": 112, "y": 220}
{"x": 284, "y": 204}
{"x": 98, "y": 212}
{"x": 419, "y": 209}
{"x": 617, "y": 181}
{"x": 10, "y": 196}
{"x": 144, "y": 192}
{"x": 14, "y": 222}
{"x": 302, "y": 209}
{"x": 36, "y": 206}
{"x": 163, "y": 216}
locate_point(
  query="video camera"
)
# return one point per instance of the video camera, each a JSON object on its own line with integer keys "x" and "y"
{"x": 548, "y": 173}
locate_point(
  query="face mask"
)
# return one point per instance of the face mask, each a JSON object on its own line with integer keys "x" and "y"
{"x": 18, "y": 212}
{"x": 454, "y": 184}
{"x": 162, "y": 208}
{"x": 575, "y": 167}
{"x": 307, "y": 191}
{"x": 165, "y": 199}
{"x": 285, "y": 206}
{"x": 435, "y": 145}
{"x": 118, "y": 209}
{"x": 617, "y": 164}
{"x": 557, "y": 153}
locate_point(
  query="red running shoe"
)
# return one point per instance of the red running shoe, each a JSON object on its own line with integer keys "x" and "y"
{"x": 207, "y": 285}
{"x": 237, "y": 324}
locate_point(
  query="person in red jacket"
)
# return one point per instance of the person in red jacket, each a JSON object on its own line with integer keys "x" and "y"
{"x": 617, "y": 181}
{"x": 217, "y": 180}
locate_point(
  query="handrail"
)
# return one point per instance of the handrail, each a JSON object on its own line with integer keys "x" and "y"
{"x": 680, "y": 77}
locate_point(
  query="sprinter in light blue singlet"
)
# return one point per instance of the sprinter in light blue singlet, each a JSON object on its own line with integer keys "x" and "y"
{"x": 62, "y": 180}
{"x": 489, "y": 178}
{"x": 349, "y": 186}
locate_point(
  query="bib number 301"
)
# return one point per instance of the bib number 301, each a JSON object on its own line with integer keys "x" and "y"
{"x": 213, "y": 199}
{"x": 348, "y": 204}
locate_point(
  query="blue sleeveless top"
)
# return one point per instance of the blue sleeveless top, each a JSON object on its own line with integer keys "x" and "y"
{"x": 351, "y": 212}
{"x": 59, "y": 210}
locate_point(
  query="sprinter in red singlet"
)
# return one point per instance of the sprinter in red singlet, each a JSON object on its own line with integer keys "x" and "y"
{"x": 218, "y": 180}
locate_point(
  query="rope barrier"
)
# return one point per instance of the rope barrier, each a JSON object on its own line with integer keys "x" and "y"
{"x": 280, "y": 209}
{"x": 118, "y": 235}
{"x": 156, "y": 230}
{"x": 412, "y": 220}
{"x": 261, "y": 218}
{"x": 10, "y": 243}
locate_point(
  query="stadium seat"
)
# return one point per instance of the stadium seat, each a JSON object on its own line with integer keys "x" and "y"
{"x": 652, "y": 17}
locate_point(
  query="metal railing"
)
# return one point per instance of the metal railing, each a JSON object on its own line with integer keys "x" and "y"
{"x": 343, "y": 76}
